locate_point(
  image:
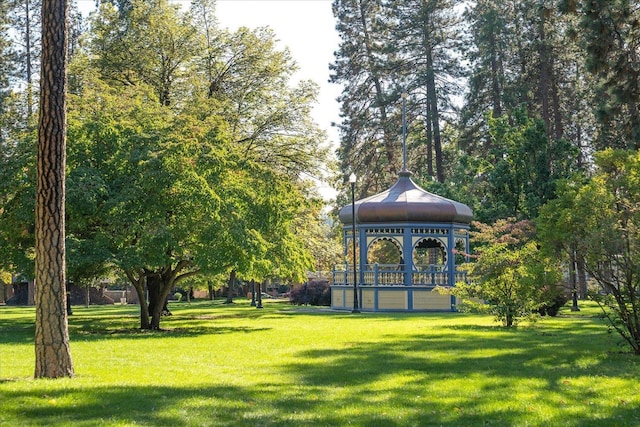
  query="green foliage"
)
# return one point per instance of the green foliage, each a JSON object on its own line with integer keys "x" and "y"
{"x": 150, "y": 43}
{"x": 510, "y": 274}
{"x": 608, "y": 32}
{"x": 523, "y": 166}
{"x": 601, "y": 219}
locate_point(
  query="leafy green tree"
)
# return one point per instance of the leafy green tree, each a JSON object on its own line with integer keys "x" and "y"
{"x": 142, "y": 189}
{"x": 522, "y": 167}
{"x": 510, "y": 274}
{"x": 249, "y": 85}
{"x": 603, "y": 218}
{"x": 559, "y": 232}
{"x": 151, "y": 44}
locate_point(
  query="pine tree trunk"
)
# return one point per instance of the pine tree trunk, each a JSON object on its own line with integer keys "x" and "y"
{"x": 53, "y": 355}
{"x": 432, "y": 96}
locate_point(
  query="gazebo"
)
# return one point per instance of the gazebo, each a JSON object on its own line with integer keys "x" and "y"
{"x": 408, "y": 246}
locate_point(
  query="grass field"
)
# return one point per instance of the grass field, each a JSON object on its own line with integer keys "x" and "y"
{"x": 234, "y": 365}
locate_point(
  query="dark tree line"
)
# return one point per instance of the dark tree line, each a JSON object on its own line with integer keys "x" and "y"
{"x": 570, "y": 65}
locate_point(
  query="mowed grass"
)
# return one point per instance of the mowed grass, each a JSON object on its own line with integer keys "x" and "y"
{"x": 235, "y": 365}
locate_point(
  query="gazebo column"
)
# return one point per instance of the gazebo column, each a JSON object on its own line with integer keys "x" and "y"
{"x": 407, "y": 256}
{"x": 451, "y": 258}
{"x": 451, "y": 261}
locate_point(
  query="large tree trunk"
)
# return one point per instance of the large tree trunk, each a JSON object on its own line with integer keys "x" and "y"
{"x": 159, "y": 286}
{"x": 230, "y": 284}
{"x": 434, "y": 117}
{"x": 582, "y": 276}
{"x": 53, "y": 355}
{"x": 139, "y": 285}
{"x": 156, "y": 302}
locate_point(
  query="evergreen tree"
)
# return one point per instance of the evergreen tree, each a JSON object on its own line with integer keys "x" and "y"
{"x": 53, "y": 354}
{"x": 370, "y": 101}
{"x": 24, "y": 16}
{"x": 6, "y": 67}
{"x": 425, "y": 34}
{"x": 610, "y": 35}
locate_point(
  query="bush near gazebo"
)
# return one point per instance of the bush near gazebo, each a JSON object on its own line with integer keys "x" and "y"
{"x": 510, "y": 275}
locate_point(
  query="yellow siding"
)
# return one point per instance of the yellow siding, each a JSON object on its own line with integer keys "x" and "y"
{"x": 348, "y": 298}
{"x": 427, "y": 300}
{"x": 368, "y": 299}
{"x": 337, "y": 298}
{"x": 392, "y": 300}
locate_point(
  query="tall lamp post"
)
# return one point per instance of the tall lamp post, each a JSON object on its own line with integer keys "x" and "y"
{"x": 352, "y": 181}
{"x": 574, "y": 292}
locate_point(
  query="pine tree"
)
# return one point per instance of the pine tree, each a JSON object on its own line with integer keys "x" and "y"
{"x": 53, "y": 354}
{"x": 610, "y": 32}
{"x": 426, "y": 34}
{"x": 370, "y": 101}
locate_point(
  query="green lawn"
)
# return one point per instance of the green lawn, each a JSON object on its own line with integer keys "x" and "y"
{"x": 221, "y": 365}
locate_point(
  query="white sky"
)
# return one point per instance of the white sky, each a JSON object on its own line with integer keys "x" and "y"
{"x": 307, "y": 28}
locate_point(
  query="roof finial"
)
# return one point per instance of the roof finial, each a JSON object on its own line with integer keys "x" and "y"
{"x": 404, "y": 131}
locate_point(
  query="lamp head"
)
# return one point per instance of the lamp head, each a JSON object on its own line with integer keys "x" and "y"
{"x": 352, "y": 178}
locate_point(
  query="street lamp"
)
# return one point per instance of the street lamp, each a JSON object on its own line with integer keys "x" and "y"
{"x": 259, "y": 295}
{"x": 574, "y": 292}
{"x": 352, "y": 181}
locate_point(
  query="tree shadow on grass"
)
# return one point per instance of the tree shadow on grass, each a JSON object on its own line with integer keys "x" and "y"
{"x": 499, "y": 378}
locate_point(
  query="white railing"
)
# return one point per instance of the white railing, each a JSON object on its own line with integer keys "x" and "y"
{"x": 394, "y": 275}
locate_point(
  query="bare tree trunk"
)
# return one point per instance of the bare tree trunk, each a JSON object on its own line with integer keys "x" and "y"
{"x": 53, "y": 355}
{"x": 432, "y": 100}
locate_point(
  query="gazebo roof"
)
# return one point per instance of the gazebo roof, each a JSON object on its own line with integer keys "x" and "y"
{"x": 405, "y": 201}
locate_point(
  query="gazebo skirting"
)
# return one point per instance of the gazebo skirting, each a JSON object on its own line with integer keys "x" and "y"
{"x": 384, "y": 289}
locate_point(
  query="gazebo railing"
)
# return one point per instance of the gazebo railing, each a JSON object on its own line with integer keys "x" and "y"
{"x": 393, "y": 275}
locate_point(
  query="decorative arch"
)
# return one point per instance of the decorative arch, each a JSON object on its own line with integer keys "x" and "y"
{"x": 429, "y": 252}
{"x": 380, "y": 251}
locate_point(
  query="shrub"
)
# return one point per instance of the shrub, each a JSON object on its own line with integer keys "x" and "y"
{"x": 315, "y": 292}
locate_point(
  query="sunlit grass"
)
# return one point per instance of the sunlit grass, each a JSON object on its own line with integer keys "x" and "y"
{"x": 235, "y": 365}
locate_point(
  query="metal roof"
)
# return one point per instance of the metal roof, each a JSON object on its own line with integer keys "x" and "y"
{"x": 405, "y": 201}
